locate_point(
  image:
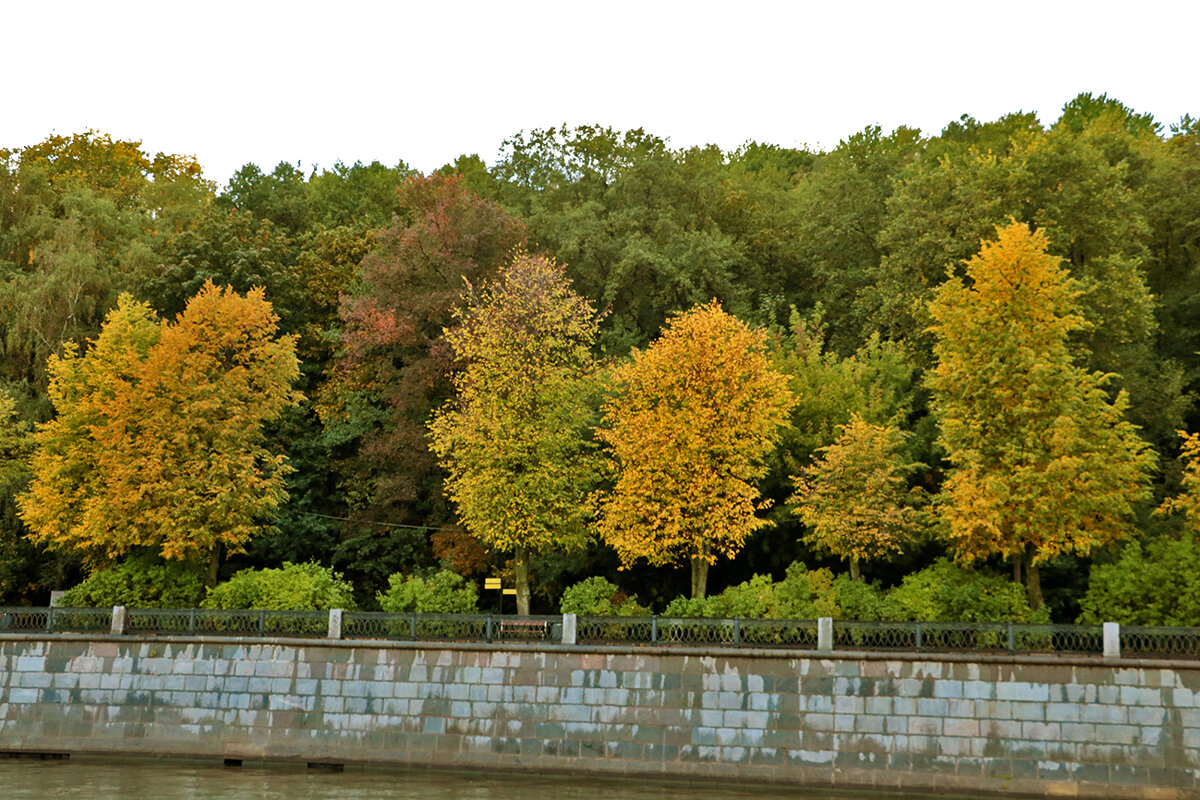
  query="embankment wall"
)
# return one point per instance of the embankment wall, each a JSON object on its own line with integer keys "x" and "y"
{"x": 1016, "y": 725}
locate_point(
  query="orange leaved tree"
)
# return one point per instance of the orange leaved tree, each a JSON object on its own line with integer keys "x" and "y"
{"x": 694, "y": 417}
{"x": 157, "y": 442}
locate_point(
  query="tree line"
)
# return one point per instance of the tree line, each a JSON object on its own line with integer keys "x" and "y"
{"x": 602, "y": 356}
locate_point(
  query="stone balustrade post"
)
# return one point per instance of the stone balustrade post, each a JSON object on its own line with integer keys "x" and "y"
{"x": 569, "y": 628}
{"x": 1112, "y": 640}
{"x": 825, "y": 634}
{"x": 335, "y": 623}
{"x": 119, "y": 618}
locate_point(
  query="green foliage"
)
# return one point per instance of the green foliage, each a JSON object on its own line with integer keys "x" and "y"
{"x": 139, "y": 582}
{"x": 1155, "y": 584}
{"x": 443, "y": 592}
{"x": 802, "y": 594}
{"x": 598, "y": 597}
{"x": 517, "y": 440}
{"x": 300, "y": 587}
{"x": 864, "y": 601}
{"x": 946, "y": 592}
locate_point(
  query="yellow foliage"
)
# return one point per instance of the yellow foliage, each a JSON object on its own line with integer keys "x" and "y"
{"x": 1042, "y": 460}
{"x": 689, "y": 427}
{"x": 516, "y": 442}
{"x": 157, "y": 440}
{"x": 1187, "y": 502}
{"x": 855, "y": 498}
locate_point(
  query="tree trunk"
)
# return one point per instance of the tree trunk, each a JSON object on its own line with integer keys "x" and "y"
{"x": 855, "y": 575}
{"x": 699, "y": 576}
{"x": 1016, "y": 567}
{"x": 521, "y": 559}
{"x": 214, "y": 564}
{"x": 1033, "y": 581}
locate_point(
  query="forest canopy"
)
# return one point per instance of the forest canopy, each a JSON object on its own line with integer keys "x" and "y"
{"x": 951, "y": 323}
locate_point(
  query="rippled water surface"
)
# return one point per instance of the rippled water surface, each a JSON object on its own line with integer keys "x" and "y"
{"x": 173, "y": 780}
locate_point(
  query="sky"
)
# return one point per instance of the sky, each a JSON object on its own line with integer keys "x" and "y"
{"x": 424, "y": 82}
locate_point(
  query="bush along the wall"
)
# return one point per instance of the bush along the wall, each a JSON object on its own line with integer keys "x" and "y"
{"x": 443, "y": 592}
{"x": 300, "y": 587}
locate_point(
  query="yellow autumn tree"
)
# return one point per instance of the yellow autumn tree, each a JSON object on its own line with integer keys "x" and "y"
{"x": 157, "y": 440}
{"x": 694, "y": 417}
{"x": 1187, "y": 502}
{"x": 516, "y": 439}
{"x": 854, "y": 498}
{"x": 1043, "y": 462}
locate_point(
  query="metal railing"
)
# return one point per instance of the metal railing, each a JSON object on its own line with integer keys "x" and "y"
{"x": 55, "y": 620}
{"x": 697, "y": 631}
{"x": 823, "y": 635}
{"x": 975, "y": 637}
{"x": 450, "y": 627}
{"x": 227, "y": 622}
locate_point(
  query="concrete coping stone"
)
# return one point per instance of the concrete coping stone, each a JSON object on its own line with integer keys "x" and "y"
{"x": 723, "y": 652}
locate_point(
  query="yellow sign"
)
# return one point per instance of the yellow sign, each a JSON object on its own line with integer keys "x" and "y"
{"x": 491, "y": 583}
{"x": 510, "y": 591}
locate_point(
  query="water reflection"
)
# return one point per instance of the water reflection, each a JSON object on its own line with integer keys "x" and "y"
{"x": 173, "y": 780}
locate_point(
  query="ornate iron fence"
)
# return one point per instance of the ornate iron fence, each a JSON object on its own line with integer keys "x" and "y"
{"x": 976, "y": 637}
{"x": 55, "y": 620}
{"x": 697, "y": 631}
{"x": 910, "y": 637}
{"x": 1146, "y": 641}
{"x": 450, "y": 627}
{"x": 227, "y": 622}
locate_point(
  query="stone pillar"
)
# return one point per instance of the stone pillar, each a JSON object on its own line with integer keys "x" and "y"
{"x": 335, "y": 623}
{"x": 569, "y": 626}
{"x": 1112, "y": 640}
{"x": 825, "y": 634}
{"x": 118, "y": 620}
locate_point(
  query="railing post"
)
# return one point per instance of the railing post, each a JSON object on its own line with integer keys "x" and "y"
{"x": 654, "y": 630}
{"x": 335, "y": 623}
{"x": 918, "y": 635}
{"x": 49, "y": 619}
{"x": 737, "y": 632}
{"x": 1012, "y": 639}
{"x": 118, "y": 621}
{"x": 262, "y": 622}
{"x": 1112, "y": 640}
{"x": 489, "y": 628}
{"x": 191, "y": 620}
{"x": 569, "y": 628}
{"x": 412, "y": 626}
{"x": 825, "y": 635}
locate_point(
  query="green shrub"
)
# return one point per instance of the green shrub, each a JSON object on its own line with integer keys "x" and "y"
{"x": 807, "y": 594}
{"x": 138, "y": 582}
{"x": 297, "y": 587}
{"x": 800, "y": 595}
{"x": 598, "y": 597}
{"x": 443, "y": 592}
{"x": 1154, "y": 585}
{"x": 945, "y": 592}
{"x": 864, "y": 601}
{"x": 692, "y": 607}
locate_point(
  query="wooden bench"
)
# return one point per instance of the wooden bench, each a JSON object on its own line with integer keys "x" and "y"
{"x": 525, "y": 629}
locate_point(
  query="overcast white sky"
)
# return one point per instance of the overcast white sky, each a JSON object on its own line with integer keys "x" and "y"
{"x": 423, "y": 82}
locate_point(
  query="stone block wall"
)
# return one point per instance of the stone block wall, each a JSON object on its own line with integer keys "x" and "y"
{"x": 1016, "y": 725}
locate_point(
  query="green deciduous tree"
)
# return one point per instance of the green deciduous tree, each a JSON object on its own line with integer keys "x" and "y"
{"x": 855, "y": 497}
{"x": 394, "y": 366}
{"x": 1042, "y": 461}
{"x": 516, "y": 441}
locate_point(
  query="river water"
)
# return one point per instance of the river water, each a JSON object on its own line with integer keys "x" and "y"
{"x": 98, "y": 779}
